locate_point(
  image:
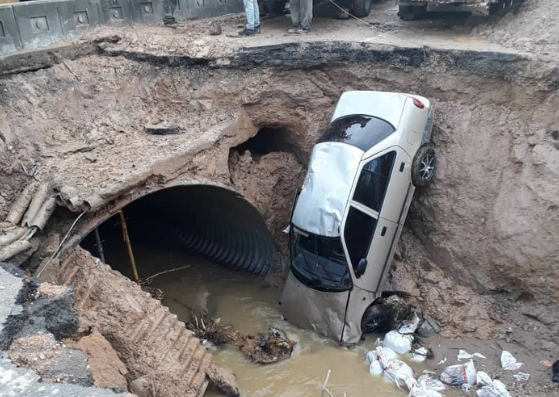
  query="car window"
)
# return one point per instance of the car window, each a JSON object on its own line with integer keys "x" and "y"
{"x": 357, "y": 130}
{"x": 358, "y": 233}
{"x": 373, "y": 181}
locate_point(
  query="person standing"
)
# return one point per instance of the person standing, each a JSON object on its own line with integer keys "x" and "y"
{"x": 169, "y": 7}
{"x": 301, "y": 16}
{"x": 253, "y": 18}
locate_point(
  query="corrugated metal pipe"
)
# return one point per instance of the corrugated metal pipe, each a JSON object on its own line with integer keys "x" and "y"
{"x": 208, "y": 220}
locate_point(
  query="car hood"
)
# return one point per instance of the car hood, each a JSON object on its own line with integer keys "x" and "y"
{"x": 383, "y": 105}
{"x": 326, "y": 189}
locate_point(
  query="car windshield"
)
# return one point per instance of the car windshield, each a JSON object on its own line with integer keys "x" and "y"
{"x": 319, "y": 262}
{"x": 357, "y": 130}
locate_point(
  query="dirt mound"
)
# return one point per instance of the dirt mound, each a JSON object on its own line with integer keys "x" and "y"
{"x": 534, "y": 27}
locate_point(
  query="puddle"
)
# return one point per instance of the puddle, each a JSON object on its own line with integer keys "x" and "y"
{"x": 251, "y": 306}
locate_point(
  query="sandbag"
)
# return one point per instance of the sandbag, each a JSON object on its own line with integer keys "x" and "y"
{"x": 458, "y": 375}
{"x": 401, "y": 344}
{"x": 400, "y": 373}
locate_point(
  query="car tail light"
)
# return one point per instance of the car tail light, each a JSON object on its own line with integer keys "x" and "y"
{"x": 418, "y": 103}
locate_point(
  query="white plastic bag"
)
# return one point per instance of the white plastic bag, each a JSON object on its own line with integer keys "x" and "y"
{"x": 431, "y": 382}
{"x": 371, "y": 356}
{"x": 409, "y": 326}
{"x": 457, "y": 375}
{"x": 420, "y": 354}
{"x": 483, "y": 379}
{"x": 508, "y": 362}
{"x": 401, "y": 344}
{"x": 521, "y": 377}
{"x": 385, "y": 354}
{"x": 423, "y": 391}
{"x": 400, "y": 373}
{"x": 464, "y": 355}
{"x": 375, "y": 368}
{"x": 490, "y": 388}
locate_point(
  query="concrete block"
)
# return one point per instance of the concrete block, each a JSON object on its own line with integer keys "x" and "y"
{"x": 78, "y": 15}
{"x": 39, "y": 23}
{"x": 147, "y": 11}
{"x": 115, "y": 12}
{"x": 9, "y": 34}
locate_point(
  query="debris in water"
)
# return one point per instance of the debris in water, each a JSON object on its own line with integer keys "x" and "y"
{"x": 268, "y": 348}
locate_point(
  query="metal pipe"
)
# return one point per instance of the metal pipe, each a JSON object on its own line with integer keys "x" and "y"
{"x": 128, "y": 245}
{"x": 99, "y": 245}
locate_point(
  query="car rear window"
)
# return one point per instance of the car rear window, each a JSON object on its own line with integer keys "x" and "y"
{"x": 357, "y": 130}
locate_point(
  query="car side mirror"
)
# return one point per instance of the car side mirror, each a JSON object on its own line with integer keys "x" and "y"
{"x": 361, "y": 266}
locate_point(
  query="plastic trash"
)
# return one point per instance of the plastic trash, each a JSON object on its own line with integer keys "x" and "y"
{"x": 464, "y": 355}
{"x": 400, "y": 373}
{"x": 521, "y": 377}
{"x": 410, "y": 325}
{"x": 483, "y": 379}
{"x": 385, "y": 354}
{"x": 420, "y": 354}
{"x": 508, "y": 362}
{"x": 375, "y": 368}
{"x": 555, "y": 370}
{"x": 457, "y": 375}
{"x": 423, "y": 391}
{"x": 371, "y": 356}
{"x": 394, "y": 340}
{"x": 498, "y": 389}
{"x": 431, "y": 382}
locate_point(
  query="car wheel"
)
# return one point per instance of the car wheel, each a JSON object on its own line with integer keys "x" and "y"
{"x": 275, "y": 7}
{"x": 362, "y": 8}
{"x": 376, "y": 319}
{"x": 424, "y": 166}
{"x": 412, "y": 13}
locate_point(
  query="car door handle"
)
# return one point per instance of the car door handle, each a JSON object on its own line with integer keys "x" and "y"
{"x": 383, "y": 232}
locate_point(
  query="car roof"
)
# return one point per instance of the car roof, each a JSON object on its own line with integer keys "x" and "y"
{"x": 383, "y": 105}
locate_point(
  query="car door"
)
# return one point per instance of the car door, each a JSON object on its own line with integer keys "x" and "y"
{"x": 368, "y": 235}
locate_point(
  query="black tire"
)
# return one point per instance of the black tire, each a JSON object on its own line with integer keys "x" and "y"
{"x": 275, "y": 7}
{"x": 362, "y": 8}
{"x": 424, "y": 166}
{"x": 412, "y": 13}
{"x": 376, "y": 319}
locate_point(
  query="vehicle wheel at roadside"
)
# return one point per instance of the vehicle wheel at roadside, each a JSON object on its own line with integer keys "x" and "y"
{"x": 274, "y": 7}
{"x": 424, "y": 166}
{"x": 412, "y": 13}
{"x": 362, "y": 8}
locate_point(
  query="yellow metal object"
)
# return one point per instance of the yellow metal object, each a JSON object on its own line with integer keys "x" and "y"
{"x": 128, "y": 245}
{"x": 8, "y": 1}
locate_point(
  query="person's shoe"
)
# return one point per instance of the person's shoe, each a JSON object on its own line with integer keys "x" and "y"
{"x": 247, "y": 32}
{"x": 294, "y": 30}
{"x": 170, "y": 22}
{"x": 305, "y": 30}
{"x": 257, "y": 29}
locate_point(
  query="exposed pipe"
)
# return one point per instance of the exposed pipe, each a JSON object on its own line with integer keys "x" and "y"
{"x": 99, "y": 245}
{"x": 21, "y": 203}
{"x": 128, "y": 245}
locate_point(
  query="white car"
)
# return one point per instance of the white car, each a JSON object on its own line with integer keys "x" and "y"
{"x": 350, "y": 211}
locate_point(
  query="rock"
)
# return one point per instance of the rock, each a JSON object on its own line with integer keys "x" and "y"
{"x": 105, "y": 365}
{"x": 428, "y": 328}
{"x": 161, "y": 129}
{"x": 215, "y": 29}
{"x": 143, "y": 387}
{"x": 224, "y": 380}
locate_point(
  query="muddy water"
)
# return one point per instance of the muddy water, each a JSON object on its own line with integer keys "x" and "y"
{"x": 251, "y": 307}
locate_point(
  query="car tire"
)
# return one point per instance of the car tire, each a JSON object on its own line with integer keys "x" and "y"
{"x": 412, "y": 13}
{"x": 275, "y": 7}
{"x": 424, "y": 166}
{"x": 376, "y": 319}
{"x": 362, "y": 8}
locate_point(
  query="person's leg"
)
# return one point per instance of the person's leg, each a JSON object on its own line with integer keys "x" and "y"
{"x": 169, "y": 7}
{"x": 294, "y": 10}
{"x": 249, "y": 11}
{"x": 306, "y": 14}
{"x": 256, "y": 11}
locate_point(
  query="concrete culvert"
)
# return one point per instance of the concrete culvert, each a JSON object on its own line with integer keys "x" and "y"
{"x": 211, "y": 221}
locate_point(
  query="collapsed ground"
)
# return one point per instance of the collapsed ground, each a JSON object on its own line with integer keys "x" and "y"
{"x": 479, "y": 251}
